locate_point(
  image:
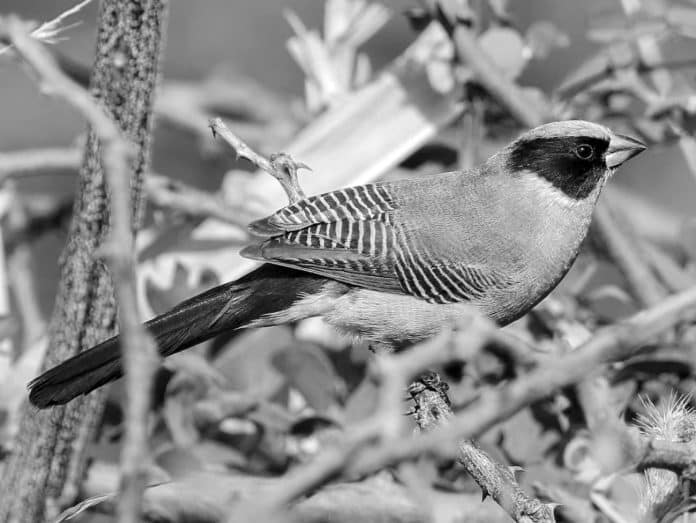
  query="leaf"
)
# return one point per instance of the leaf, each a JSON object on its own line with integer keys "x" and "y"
{"x": 531, "y": 448}
{"x": 683, "y": 19}
{"x": 179, "y": 461}
{"x": 500, "y": 9}
{"x": 246, "y": 361}
{"x": 309, "y": 371}
{"x": 505, "y": 47}
{"x": 543, "y": 37}
{"x": 362, "y": 401}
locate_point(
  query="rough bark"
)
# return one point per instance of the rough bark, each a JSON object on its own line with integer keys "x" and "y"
{"x": 48, "y": 457}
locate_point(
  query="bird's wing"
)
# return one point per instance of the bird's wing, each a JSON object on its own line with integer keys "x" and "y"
{"x": 351, "y": 235}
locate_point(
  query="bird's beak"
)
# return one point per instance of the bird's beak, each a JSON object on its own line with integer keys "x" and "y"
{"x": 622, "y": 148}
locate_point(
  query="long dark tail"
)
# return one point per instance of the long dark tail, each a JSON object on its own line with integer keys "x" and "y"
{"x": 232, "y": 305}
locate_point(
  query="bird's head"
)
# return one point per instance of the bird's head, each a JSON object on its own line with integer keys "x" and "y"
{"x": 574, "y": 156}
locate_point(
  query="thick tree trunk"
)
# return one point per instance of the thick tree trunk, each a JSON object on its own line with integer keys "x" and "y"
{"x": 48, "y": 457}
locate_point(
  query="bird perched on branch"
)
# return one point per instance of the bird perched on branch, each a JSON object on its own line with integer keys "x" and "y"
{"x": 395, "y": 262}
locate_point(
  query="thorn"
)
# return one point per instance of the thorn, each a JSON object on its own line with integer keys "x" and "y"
{"x": 484, "y": 495}
{"x": 302, "y": 165}
{"x": 410, "y": 412}
{"x": 242, "y": 155}
{"x": 514, "y": 469}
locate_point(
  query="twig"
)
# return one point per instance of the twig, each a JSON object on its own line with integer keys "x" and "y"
{"x": 160, "y": 190}
{"x": 613, "y": 343}
{"x": 178, "y": 196}
{"x": 281, "y": 166}
{"x": 387, "y": 425}
{"x": 605, "y": 65}
{"x": 624, "y": 251}
{"x": 139, "y": 350}
{"x": 31, "y": 217}
{"x": 20, "y": 163}
{"x": 488, "y": 74}
{"x": 672, "y": 275}
{"x": 25, "y": 295}
{"x": 486, "y": 71}
{"x": 433, "y": 410}
{"x": 362, "y": 451}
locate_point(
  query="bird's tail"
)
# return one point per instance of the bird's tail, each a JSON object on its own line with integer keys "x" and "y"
{"x": 267, "y": 290}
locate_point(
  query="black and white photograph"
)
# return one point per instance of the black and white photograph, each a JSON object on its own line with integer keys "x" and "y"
{"x": 337, "y": 261}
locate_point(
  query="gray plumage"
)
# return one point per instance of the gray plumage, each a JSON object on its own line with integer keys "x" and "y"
{"x": 493, "y": 238}
{"x": 395, "y": 262}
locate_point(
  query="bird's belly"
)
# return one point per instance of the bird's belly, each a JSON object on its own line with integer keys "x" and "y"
{"x": 394, "y": 319}
{"x": 398, "y": 319}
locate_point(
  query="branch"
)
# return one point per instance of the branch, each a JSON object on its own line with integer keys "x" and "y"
{"x": 494, "y": 81}
{"x": 139, "y": 350}
{"x": 387, "y": 425}
{"x": 433, "y": 410}
{"x": 612, "y": 343}
{"x": 622, "y": 247}
{"x": 364, "y": 449}
{"x": 21, "y": 163}
{"x": 281, "y": 166}
{"x": 178, "y": 196}
{"x": 160, "y": 190}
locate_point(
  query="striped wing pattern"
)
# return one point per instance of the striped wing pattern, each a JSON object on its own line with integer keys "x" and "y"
{"x": 350, "y": 235}
{"x": 352, "y": 204}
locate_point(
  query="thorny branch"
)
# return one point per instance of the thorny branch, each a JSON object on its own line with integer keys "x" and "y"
{"x": 139, "y": 350}
{"x": 363, "y": 450}
{"x": 432, "y": 410}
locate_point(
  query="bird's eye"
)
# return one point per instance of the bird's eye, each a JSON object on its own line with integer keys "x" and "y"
{"x": 584, "y": 151}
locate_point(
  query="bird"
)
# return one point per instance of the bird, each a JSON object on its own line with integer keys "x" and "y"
{"x": 394, "y": 262}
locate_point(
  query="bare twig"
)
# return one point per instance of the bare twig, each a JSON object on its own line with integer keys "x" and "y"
{"x": 281, "y": 166}
{"x": 180, "y": 197}
{"x": 160, "y": 190}
{"x": 623, "y": 249}
{"x": 488, "y": 74}
{"x": 432, "y": 410}
{"x": 20, "y": 163}
{"x": 140, "y": 353}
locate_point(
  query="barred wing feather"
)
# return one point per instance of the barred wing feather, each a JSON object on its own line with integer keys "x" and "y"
{"x": 350, "y": 236}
